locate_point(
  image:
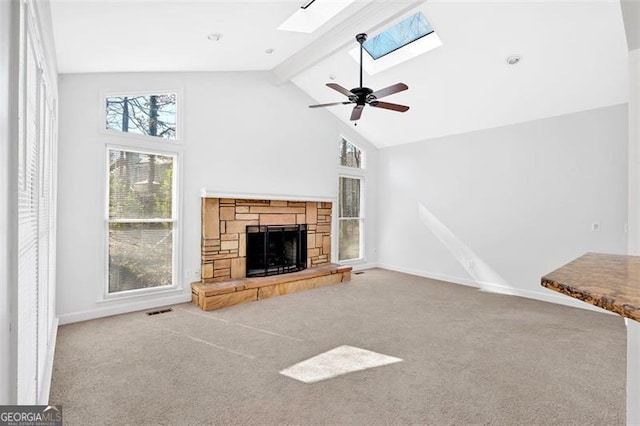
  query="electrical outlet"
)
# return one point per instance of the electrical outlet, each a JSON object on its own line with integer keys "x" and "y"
{"x": 595, "y": 226}
{"x": 192, "y": 274}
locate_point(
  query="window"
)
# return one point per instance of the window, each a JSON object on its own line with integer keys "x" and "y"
{"x": 350, "y": 201}
{"x": 398, "y": 36}
{"x": 350, "y": 218}
{"x": 141, "y": 220}
{"x": 313, "y": 15}
{"x": 149, "y": 115}
{"x": 409, "y": 38}
{"x": 349, "y": 155}
{"x": 35, "y": 198}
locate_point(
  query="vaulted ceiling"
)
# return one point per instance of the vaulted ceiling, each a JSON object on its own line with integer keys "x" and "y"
{"x": 574, "y": 55}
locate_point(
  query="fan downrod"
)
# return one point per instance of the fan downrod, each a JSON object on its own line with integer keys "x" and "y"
{"x": 361, "y": 38}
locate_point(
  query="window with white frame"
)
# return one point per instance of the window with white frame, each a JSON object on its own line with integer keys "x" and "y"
{"x": 350, "y": 218}
{"x": 350, "y": 202}
{"x": 36, "y": 206}
{"x": 141, "y": 219}
{"x": 349, "y": 155}
{"x": 142, "y": 214}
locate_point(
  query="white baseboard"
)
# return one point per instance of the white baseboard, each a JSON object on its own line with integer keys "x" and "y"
{"x": 544, "y": 295}
{"x": 123, "y": 308}
{"x": 45, "y": 385}
{"x": 431, "y": 275}
{"x": 363, "y": 266}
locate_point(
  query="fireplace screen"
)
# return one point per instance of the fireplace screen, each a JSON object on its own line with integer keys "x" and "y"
{"x": 273, "y": 250}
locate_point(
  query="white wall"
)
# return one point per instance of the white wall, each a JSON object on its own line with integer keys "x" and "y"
{"x": 634, "y": 152}
{"x": 522, "y": 198}
{"x": 241, "y": 134}
{"x": 633, "y": 327}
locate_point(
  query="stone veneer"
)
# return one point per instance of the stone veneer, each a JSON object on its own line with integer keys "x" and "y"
{"x": 224, "y": 238}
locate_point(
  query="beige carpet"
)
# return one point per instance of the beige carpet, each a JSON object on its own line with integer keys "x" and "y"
{"x": 468, "y": 358}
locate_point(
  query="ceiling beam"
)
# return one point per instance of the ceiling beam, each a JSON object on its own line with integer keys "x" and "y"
{"x": 631, "y": 17}
{"x": 367, "y": 17}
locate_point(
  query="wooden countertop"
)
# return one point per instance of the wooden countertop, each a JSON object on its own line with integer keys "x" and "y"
{"x": 609, "y": 281}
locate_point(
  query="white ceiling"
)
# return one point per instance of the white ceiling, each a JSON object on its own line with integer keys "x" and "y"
{"x": 161, "y": 35}
{"x": 574, "y": 55}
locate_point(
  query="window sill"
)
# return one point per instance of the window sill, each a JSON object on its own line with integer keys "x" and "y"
{"x": 139, "y": 294}
{"x": 352, "y": 261}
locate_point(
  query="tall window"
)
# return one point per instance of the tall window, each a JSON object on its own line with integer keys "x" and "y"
{"x": 350, "y": 201}
{"x": 33, "y": 318}
{"x": 350, "y": 219}
{"x": 141, "y": 187}
{"x": 141, "y": 219}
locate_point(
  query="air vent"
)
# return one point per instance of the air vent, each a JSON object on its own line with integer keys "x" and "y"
{"x": 160, "y": 311}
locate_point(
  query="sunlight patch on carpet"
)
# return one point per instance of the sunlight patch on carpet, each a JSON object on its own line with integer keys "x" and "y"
{"x": 341, "y": 360}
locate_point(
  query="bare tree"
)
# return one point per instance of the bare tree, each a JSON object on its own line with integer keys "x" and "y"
{"x": 151, "y": 115}
{"x": 146, "y": 115}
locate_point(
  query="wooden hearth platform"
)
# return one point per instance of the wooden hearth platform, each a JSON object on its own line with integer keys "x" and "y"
{"x": 216, "y": 295}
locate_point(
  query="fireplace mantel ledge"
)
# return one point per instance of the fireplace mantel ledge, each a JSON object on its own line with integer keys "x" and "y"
{"x": 209, "y": 193}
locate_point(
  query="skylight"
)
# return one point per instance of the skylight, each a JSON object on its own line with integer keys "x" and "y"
{"x": 398, "y": 36}
{"x": 313, "y": 14}
{"x": 405, "y": 40}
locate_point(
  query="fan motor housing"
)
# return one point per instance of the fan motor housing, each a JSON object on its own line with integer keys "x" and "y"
{"x": 362, "y": 94}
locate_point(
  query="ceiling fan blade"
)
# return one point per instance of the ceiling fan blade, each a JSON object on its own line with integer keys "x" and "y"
{"x": 357, "y": 112}
{"x": 340, "y": 89}
{"x": 398, "y": 87}
{"x": 387, "y": 105}
{"x": 330, "y": 104}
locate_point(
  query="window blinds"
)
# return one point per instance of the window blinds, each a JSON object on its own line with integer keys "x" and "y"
{"x": 36, "y": 204}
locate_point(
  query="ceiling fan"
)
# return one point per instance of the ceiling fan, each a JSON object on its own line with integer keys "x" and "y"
{"x": 362, "y": 96}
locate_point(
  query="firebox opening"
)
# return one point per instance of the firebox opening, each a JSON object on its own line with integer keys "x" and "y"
{"x": 273, "y": 250}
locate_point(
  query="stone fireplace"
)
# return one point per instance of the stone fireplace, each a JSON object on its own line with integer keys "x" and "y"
{"x": 225, "y": 222}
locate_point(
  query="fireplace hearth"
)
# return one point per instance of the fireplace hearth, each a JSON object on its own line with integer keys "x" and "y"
{"x": 276, "y": 249}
